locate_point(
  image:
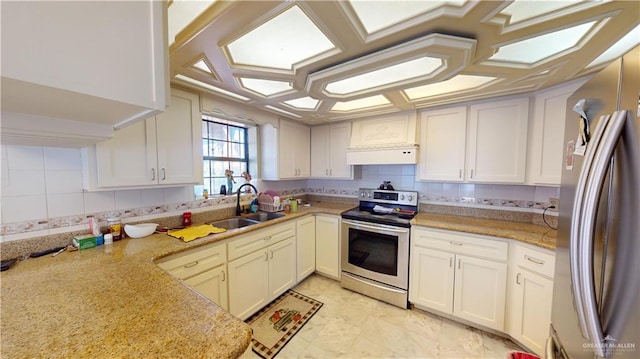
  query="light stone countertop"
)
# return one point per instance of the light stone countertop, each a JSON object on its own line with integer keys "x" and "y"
{"x": 538, "y": 235}
{"x": 114, "y": 301}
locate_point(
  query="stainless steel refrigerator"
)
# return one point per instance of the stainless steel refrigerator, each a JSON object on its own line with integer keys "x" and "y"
{"x": 596, "y": 294}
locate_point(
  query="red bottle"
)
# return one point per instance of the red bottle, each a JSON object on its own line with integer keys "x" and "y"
{"x": 186, "y": 219}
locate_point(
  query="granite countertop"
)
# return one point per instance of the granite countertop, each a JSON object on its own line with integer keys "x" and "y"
{"x": 113, "y": 301}
{"x": 538, "y": 235}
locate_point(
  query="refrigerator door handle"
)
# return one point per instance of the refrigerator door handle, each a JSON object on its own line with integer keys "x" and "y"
{"x": 593, "y": 189}
{"x": 576, "y": 228}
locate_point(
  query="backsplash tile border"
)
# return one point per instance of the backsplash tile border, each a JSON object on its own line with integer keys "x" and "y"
{"x": 130, "y": 215}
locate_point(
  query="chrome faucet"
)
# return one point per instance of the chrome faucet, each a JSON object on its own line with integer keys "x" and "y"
{"x": 238, "y": 210}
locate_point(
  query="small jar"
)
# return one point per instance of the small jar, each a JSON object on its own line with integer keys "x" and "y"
{"x": 186, "y": 219}
{"x": 108, "y": 238}
{"x": 115, "y": 228}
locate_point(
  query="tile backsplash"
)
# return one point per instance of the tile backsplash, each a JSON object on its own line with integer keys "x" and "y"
{"x": 41, "y": 193}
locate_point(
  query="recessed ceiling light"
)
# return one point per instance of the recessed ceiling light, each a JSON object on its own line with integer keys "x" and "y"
{"x": 534, "y": 49}
{"x": 182, "y": 13}
{"x": 211, "y": 87}
{"x": 366, "y": 102}
{"x": 622, "y": 46}
{"x": 458, "y": 83}
{"x": 303, "y": 103}
{"x": 283, "y": 111}
{"x": 392, "y": 74}
{"x": 281, "y": 42}
{"x": 265, "y": 87}
{"x": 377, "y": 15}
{"x": 202, "y": 66}
{"x": 521, "y": 10}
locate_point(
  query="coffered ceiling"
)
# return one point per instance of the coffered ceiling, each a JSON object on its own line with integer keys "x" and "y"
{"x": 322, "y": 61}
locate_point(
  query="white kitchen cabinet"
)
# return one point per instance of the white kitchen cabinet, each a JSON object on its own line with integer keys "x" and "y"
{"x": 547, "y": 149}
{"x": 203, "y": 269}
{"x": 329, "y": 151}
{"x": 530, "y": 295}
{"x": 286, "y": 151}
{"x": 164, "y": 150}
{"x": 328, "y": 245}
{"x": 305, "y": 247}
{"x": 460, "y": 275}
{"x": 442, "y": 145}
{"x": 268, "y": 270}
{"x": 497, "y": 141}
{"x": 73, "y": 73}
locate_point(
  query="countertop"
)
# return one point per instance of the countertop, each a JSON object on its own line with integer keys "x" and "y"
{"x": 114, "y": 301}
{"x": 538, "y": 235}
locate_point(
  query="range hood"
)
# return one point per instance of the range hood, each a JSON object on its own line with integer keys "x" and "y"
{"x": 386, "y": 140}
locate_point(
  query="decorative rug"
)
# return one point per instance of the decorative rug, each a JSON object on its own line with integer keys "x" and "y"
{"x": 278, "y": 322}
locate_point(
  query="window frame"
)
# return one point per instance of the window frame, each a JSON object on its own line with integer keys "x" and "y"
{"x": 208, "y": 178}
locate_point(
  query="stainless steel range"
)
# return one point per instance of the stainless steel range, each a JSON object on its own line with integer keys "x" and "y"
{"x": 375, "y": 245}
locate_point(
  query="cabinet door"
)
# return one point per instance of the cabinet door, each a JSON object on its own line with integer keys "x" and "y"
{"x": 248, "y": 284}
{"x": 129, "y": 158}
{"x": 340, "y": 136}
{"x": 320, "y": 144}
{"x": 179, "y": 134}
{"x": 305, "y": 247}
{"x": 302, "y": 151}
{"x": 531, "y": 311}
{"x": 282, "y": 267}
{"x": 328, "y": 245}
{"x": 497, "y": 141}
{"x": 287, "y": 143}
{"x": 212, "y": 284}
{"x": 442, "y": 145}
{"x": 480, "y": 291}
{"x": 431, "y": 279}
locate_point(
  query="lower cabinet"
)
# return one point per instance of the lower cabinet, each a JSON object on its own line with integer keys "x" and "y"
{"x": 531, "y": 293}
{"x": 328, "y": 245}
{"x": 255, "y": 279}
{"x": 461, "y": 275}
{"x": 212, "y": 284}
{"x": 305, "y": 247}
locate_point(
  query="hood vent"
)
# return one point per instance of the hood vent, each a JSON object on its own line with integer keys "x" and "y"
{"x": 387, "y": 140}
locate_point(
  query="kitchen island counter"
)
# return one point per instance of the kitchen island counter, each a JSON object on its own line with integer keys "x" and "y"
{"x": 114, "y": 301}
{"x": 538, "y": 235}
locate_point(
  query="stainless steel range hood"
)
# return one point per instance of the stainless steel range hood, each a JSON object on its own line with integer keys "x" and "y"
{"x": 389, "y": 139}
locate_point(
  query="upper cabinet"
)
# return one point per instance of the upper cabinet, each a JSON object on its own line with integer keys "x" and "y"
{"x": 485, "y": 142}
{"x": 71, "y": 73}
{"x": 546, "y": 153}
{"x": 164, "y": 150}
{"x": 329, "y": 151}
{"x": 285, "y": 151}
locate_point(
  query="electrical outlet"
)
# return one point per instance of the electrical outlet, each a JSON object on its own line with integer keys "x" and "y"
{"x": 554, "y": 203}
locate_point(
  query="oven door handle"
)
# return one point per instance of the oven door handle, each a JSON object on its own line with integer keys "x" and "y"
{"x": 376, "y": 227}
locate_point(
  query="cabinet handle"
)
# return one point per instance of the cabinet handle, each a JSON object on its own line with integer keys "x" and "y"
{"x": 326, "y": 172}
{"x": 191, "y": 264}
{"x": 224, "y": 276}
{"x": 455, "y": 243}
{"x": 460, "y": 173}
{"x": 266, "y": 256}
{"x": 450, "y": 261}
{"x": 518, "y": 278}
{"x": 267, "y": 238}
{"x": 271, "y": 254}
{"x": 459, "y": 262}
{"x": 164, "y": 174}
{"x": 534, "y": 260}
{"x": 153, "y": 174}
{"x": 471, "y": 173}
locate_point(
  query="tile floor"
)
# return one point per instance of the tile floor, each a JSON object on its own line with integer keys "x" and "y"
{"x": 350, "y": 325}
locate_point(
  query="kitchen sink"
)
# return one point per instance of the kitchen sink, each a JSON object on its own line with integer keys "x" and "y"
{"x": 233, "y": 223}
{"x": 264, "y": 216}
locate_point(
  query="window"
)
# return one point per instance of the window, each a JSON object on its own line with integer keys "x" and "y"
{"x": 224, "y": 146}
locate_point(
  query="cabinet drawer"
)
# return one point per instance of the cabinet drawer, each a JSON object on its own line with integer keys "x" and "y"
{"x": 536, "y": 261}
{"x": 254, "y": 241}
{"x": 194, "y": 261}
{"x": 461, "y": 243}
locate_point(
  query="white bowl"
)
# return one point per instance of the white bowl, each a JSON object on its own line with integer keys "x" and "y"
{"x": 140, "y": 230}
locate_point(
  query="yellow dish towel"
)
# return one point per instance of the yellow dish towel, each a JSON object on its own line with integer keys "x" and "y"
{"x": 191, "y": 233}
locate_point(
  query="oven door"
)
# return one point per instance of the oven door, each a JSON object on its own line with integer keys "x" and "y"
{"x": 375, "y": 251}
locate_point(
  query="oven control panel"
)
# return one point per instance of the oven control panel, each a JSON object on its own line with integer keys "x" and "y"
{"x": 409, "y": 198}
